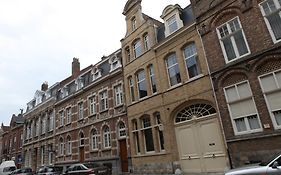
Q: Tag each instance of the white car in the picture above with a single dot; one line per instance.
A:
(270, 167)
(7, 167)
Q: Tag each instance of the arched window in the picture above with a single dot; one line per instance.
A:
(61, 146)
(194, 111)
(94, 139)
(82, 140)
(122, 130)
(106, 137)
(68, 145)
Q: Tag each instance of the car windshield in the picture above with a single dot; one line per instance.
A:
(92, 165)
(9, 169)
(267, 161)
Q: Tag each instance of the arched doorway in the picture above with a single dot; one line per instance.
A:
(199, 139)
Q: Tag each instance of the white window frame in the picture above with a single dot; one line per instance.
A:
(232, 40)
(278, 8)
(95, 139)
(122, 130)
(80, 106)
(61, 147)
(248, 131)
(172, 21)
(118, 94)
(134, 23)
(68, 146)
(106, 137)
(61, 118)
(144, 138)
(92, 105)
(68, 115)
(137, 48)
(152, 78)
(81, 139)
(270, 92)
(131, 89)
(187, 57)
(146, 42)
(103, 100)
(51, 124)
(172, 67)
(139, 81)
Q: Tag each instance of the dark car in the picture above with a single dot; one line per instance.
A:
(87, 169)
(50, 170)
(23, 171)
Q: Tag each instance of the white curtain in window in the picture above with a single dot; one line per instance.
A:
(243, 108)
(231, 94)
(268, 83)
(244, 90)
(274, 100)
(240, 124)
(278, 77)
(240, 42)
(253, 122)
(277, 116)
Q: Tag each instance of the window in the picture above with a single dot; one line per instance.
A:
(141, 84)
(103, 101)
(50, 154)
(172, 24)
(128, 54)
(118, 95)
(242, 108)
(68, 146)
(136, 136)
(42, 154)
(152, 79)
(271, 87)
(92, 103)
(134, 23)
(146, 42)
(148, 136)
(106, 137)
(68, 115)
(37, 128)
(122, 130)
(191, 62)
(131, 86)
(173, 70)
(114, 63)
(43, 125)
(137, 48)
(80, 110)
(61, 147)
(271, 10)
(232, 40)
(61, 118)
(82, 139)
(160, 130)
(94, 139)
(51, 124)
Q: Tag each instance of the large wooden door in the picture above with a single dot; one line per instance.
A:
(81, 154)
(123, 155)
(201, 146)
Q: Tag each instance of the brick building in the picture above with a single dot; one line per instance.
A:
(91, 120)
(39, 128)
(12, 139)
(242, 44)
(172, 115)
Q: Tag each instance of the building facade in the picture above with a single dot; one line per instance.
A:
(242, 44)
(91, 120)
(172, 114)
(39, 128)
(12, 139)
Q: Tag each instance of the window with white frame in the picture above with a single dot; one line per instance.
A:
(271, 10)
(146, 42)
(61, 147)
(122, 130)
(103, 100)
(142, 89)
(42, 154)
(68, 115)
(51, 124)
(80, 110)
(43, 130)
(152, 79)
(137, 48)
(172, 24)
(106, 137)
(131, 88)
(81, 139)
(94, 139)
(232, 40)
(173, 70)
(92, 103)
(50, 154)
(114, 63)
(96, 73)
(191, 60)
(68, 146)
(271, 87)
(159, 127)
(148, 135)
(242, 108)
(61, 118)
(118, 95)
(128, 54)
(134, 23)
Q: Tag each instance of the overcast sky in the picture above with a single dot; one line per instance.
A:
(39, 38)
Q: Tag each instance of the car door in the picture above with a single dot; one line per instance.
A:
(274, 170)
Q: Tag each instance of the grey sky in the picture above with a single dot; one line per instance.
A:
(39, 38)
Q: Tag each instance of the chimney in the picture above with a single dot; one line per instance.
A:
(44, 86)
(75, 67)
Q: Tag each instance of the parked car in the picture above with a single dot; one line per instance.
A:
(270, 167)
(50, 170)
(7, 167)
(87, 169)
(23, 171)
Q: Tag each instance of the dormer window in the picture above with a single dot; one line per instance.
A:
(172, 24)
(65, 91)
(79, 82)
(134, 23)
(96, 74)
(114, 63)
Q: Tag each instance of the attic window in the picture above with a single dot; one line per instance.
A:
(172, 24)
(114, 63)
(96, 74)
(134, 23)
